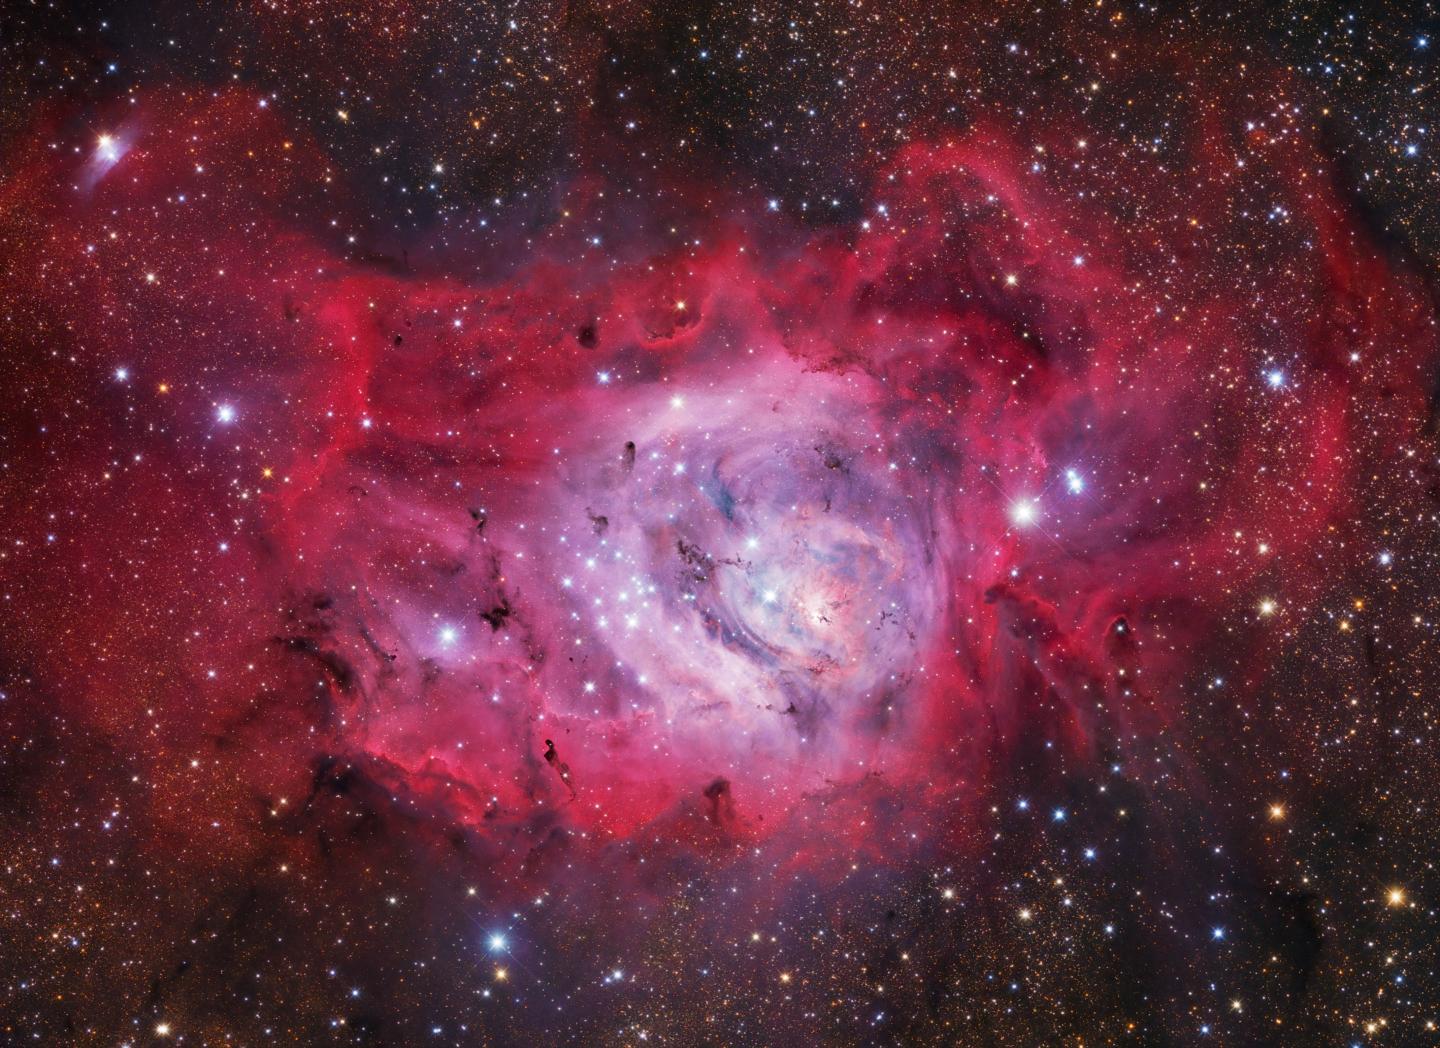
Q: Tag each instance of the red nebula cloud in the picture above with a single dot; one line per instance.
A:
(784, 530)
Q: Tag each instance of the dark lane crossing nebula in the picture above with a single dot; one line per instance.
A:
(719, 524)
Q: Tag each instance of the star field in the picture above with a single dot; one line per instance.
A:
(855, 524)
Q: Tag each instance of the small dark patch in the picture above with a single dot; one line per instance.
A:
(330, 776)
(699, 562)
(499, 615)
(720, 802)
(627, 457)
(374, 645)
(338, 669)
(588, 335)
(449, 569)
(1302, 928)
(598, 521)
(831, 458)
(552, 758)
(478, 516)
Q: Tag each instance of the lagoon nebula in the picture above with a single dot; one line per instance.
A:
(601, 524)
